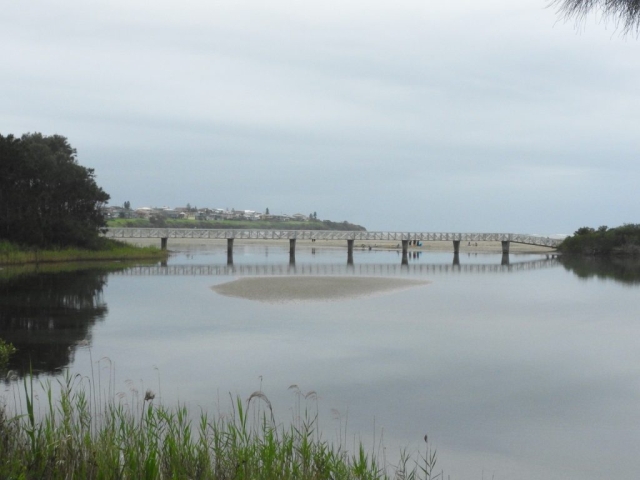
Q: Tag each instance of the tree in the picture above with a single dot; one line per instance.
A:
(46, 198)
(267, 211)
(623, 12)
(127, 205)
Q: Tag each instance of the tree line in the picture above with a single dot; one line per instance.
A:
(604, 241)
(47, 199)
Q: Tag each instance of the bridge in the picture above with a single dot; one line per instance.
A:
(405, 238)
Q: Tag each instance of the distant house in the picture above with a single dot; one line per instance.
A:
(277, 218)
(144, 212)
(120, 212)
(172, 213)
(299, 217)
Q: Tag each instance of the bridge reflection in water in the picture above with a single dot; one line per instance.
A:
(365, 269)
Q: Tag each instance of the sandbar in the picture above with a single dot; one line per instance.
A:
(313, 288)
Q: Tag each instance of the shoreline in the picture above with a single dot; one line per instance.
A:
(116, 251)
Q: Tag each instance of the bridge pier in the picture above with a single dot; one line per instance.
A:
(405, 252)
(505, 260)
(163, 243)
(350, 243)
(292, 251)
(229, 251)
(456, 259)
(505, 247)
(456, 247)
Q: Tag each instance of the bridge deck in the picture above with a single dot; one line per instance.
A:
(200, 233)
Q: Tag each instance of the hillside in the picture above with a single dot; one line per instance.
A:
(236, 224)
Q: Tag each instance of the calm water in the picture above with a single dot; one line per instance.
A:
(522, 371)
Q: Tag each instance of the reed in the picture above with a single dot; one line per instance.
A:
(80, 434)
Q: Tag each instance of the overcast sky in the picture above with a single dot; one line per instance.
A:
(409, 115)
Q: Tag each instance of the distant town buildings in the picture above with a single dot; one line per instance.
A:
(198, 214)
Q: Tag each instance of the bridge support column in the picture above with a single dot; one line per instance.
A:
(505, 247)
(456, 247)
(292, 251)
(405, 252)
(229, 251)
(505, 260)
(350, 243)
(456, 259)
(163, 243)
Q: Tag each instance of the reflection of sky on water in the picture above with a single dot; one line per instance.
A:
(531, 374)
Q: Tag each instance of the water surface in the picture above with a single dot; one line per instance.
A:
(526, 369)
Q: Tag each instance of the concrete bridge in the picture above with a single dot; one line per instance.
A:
(405, 238)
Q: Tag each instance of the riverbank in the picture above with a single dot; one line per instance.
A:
(181, 244)
(111, 250)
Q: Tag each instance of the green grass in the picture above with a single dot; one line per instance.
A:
(86, 435)
(11, 254)
(6, 350)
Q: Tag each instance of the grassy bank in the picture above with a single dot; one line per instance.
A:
(106, 250)
(84, 436)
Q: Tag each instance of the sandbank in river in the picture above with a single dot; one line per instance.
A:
(306, 289)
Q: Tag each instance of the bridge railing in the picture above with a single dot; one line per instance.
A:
(201, 233)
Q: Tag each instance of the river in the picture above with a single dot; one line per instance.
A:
(524, 370)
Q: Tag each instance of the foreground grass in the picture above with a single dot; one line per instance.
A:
(84, 437)
(11, 254)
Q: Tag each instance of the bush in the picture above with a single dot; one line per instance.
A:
(624, 240)
(6, 350)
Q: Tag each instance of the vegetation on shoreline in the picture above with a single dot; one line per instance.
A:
(83, 435)
(238, 224)
(47, 199)
(6, 350)
(604, 241)
(104, 250)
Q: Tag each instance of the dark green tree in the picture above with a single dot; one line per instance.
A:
(46, 198)
(127, 205)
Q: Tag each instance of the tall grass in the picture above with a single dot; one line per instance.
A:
(79, 433)
(11, 254)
